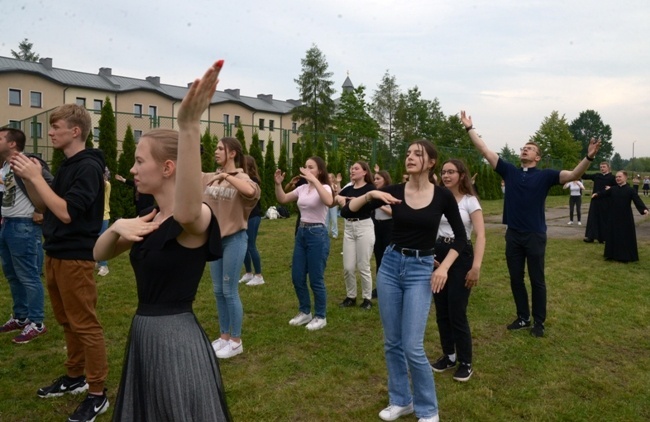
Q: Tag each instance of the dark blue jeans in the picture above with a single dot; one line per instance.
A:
(252, 253)
(20, 239)
(310, 254)
(521, 249)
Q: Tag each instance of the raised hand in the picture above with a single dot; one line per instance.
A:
(594, 146)
(465, 119)
(198, 97)
(26, 167)
(278, 177)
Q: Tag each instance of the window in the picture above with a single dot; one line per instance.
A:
(37, 130)
(293, 147)
(261, 124)
(14, 124)
(294, 127)
(137, 110)
(97, 106)
(137, 134)
(262, 146)
(153, 111)
(81, 101)
(271, 125)
(237, 120)
(226, 119)
(96, 133)
(15, 97)
(36, 99)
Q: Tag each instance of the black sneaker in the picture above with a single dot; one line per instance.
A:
(63, 385)
(537, 330)
(374, 293)
(442, 364)
(366, 304)
(88, 410)
(518, 324)
(348, 302)
(464, 372)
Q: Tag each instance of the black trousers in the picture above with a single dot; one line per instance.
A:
(575, 201)
(383, 233)
(521, 249)
(451, 305)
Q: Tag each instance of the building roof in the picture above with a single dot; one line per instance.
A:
(104, 80)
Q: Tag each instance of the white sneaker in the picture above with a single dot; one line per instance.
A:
(256, 281)
(393, 412)
(579, 223)
(316, 324)
(247, 277)
(570, 223)
(103, 270)
(431, 419)
(231, 349)
(300, 319)
(219, 344)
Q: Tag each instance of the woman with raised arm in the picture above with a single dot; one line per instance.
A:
(170, 370)
(451, 301)
(232, 195)
(406, 279)
(312, 245)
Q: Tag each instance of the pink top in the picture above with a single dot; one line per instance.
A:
(312, 209)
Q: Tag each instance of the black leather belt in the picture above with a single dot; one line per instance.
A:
(414, 252)
(311, 224)
(356, 219)
(442, 239)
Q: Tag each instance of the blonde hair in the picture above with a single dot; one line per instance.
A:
(164, 145)
(73, 115)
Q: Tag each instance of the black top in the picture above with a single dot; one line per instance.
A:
(418, 228)
(167, 274)
(600, 180)
(257, 209)
(350, 192)
(80, 182)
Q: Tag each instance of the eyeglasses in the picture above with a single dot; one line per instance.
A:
(449, 172)
(527, 149)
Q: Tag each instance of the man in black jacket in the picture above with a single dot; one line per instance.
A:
(74, 210)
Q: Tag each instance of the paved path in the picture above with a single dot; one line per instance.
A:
(558, 217)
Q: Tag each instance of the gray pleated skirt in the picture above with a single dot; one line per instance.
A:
(170, 373)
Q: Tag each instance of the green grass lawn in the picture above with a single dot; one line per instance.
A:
(593, 364)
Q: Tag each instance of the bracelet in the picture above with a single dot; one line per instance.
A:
(589, 159)
(469, 128)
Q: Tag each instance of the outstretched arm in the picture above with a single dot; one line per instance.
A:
(491, 156)
(189, 210)
(579, 170)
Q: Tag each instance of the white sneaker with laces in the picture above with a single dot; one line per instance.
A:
(219, 344)
(247, 277)
(300, 319)
(393, 412)
(231, 349)
(431, 419)
(570, 223)
(256, 281)
(317, 323)
(103, 270)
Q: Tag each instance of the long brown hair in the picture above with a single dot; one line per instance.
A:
(432, 153)
(323, 176)
(368, 176)
(251, 167)
(232, 144)
(464, 179)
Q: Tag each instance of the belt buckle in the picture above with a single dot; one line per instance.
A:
(447, 240)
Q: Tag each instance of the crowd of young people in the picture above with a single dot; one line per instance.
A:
(420, 232)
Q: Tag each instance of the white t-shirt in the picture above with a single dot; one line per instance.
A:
(467, 205)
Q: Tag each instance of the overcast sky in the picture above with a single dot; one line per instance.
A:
(509, 63)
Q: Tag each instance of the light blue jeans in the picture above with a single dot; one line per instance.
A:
(225, 280)
(404, 294)
(20, 239)
(332, 221)
(310, 252)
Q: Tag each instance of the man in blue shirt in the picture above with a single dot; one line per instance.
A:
(524, 216)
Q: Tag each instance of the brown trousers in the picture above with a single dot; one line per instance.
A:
(73, 293)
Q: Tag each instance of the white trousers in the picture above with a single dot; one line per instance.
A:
(358, 243)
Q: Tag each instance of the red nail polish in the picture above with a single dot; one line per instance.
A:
(220, 64)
